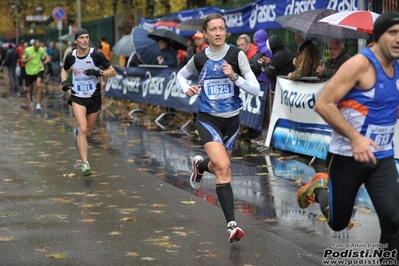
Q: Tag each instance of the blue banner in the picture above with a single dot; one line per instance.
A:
(154, 85)
(260, 14)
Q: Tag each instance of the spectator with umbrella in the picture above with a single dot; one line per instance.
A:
(168, 56)
(169, 42)
(307, 61)
(338, 56)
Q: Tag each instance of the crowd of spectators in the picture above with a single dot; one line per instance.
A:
(268, 58)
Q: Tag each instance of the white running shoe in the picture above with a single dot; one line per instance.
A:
(234, 232)
(38, 106)
(86, 169)
(196, 177)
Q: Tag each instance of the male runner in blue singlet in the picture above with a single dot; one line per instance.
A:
(360, 103)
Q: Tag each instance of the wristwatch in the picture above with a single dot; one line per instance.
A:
(236, 76)
(101, 72)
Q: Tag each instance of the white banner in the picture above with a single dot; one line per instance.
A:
(295, 126)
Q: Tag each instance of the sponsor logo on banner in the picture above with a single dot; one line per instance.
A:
(339, 5)
(262, 14)
(297, 7)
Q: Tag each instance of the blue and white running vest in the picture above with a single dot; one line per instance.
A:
(372, 112)
(218, 93)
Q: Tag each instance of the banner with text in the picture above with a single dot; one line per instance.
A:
(158, 86)
(294, 125)
(260, 14)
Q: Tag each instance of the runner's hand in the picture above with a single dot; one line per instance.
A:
(92, 72)
(362, 149)
(65, 85)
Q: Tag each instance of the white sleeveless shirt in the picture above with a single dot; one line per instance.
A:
(84, 86)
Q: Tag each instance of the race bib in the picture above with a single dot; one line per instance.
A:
(382, 135)
(85, 87)
(216, 89)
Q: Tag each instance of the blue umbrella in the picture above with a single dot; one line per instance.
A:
(146, 47)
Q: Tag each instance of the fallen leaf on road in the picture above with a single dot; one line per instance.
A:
(76, 193)
(298, 181)
(57, 255)
(157, 211)
(131, 160)
(158, 205)
(351, 225)
(132, 254)
(262, 174)
(148, 258)
(87, 221)
(286, 158)
(129, 219)
(113, 233)
(179, 233)
(6, 238)
(188, 202)
(60, 200)
(365, 211)
(69, 175)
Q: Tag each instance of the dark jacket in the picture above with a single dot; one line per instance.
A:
(169, 57)
(55, 57)
(332, 65)
(11, 59)
(281, 62)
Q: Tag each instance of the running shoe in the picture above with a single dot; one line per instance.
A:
(234, 232)
(305, 195)
(38, 106)
(196, 177)
(86, 169)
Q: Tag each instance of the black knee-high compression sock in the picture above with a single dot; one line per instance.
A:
(321, 195)
(226, 199)
(203, 166)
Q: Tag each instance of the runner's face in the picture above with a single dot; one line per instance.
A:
(82, 42)
(216, 33)
(389, 43)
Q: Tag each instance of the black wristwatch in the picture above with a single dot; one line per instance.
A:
(236, 76)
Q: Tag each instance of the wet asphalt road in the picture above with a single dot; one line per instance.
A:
(138, 209)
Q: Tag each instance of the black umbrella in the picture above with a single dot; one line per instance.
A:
(175, 40)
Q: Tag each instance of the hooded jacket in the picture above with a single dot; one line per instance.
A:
(281, 63)
(260, 38)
